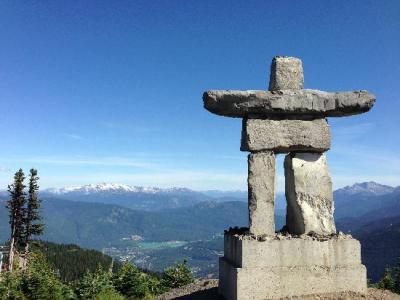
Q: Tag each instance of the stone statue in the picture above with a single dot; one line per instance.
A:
(308, 256)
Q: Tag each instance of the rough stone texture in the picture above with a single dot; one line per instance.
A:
(287, 103)
(307, 257)
(278, 282)
(286, 74)
(308, 189)
(273, 269)
(285, 135)
(261, 189)
(338, 250)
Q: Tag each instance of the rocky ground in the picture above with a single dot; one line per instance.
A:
(208, 290)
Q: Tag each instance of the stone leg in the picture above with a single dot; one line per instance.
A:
(261, 185)
(308, 188)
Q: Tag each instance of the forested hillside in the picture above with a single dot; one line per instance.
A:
(51, 274)
(96, 225)
(156, 239)
(371, 213)
(71, 261)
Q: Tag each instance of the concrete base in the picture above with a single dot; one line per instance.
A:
(278, 268)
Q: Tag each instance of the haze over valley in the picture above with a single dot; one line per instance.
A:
(155, 227)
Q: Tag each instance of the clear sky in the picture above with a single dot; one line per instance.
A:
(110, 91)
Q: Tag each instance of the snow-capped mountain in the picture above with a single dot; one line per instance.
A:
(366, 188)
(135, 197)
(361, 198)
(349, 201)
(92, 188)
(113, 188)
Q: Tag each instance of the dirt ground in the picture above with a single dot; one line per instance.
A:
(208, 290)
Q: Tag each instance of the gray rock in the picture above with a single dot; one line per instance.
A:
(261, 185)
(286, 74)
(284, 252)
(293, 282)
(308, 189)
(285, 135)
(287, 103)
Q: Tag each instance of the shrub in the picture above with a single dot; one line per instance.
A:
(396, 278)
(131, 282)
(92, 284)
(109, 295)
(38, 282)
(10, 286)
(387, 281)
(177, 276)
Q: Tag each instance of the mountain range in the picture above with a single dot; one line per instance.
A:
(98, 225)
(361, 198)
(140, 198)
(142, 223)
(371, 213)
(155, 199)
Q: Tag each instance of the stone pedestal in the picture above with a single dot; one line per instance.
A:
(285, 266)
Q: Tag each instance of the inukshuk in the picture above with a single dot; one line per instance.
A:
(307, 256)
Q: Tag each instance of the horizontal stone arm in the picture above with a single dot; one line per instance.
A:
(287, 103)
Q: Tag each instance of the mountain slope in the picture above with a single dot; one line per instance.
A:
(380, 242)
(369, 211)
(97, 225)
(359, 199)
(365, 188)
(380, 245)
(141, 198)
(72, 261)
(350, 201)
(379, 234)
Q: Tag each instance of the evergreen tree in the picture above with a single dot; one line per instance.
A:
(10, 286)
(177, 276)
(131, 282)
(16, 210)
(396, 278)
(38, 282)
(32, 216)
(109, 295)
(71, 261)
(95, 283)
(387, 281)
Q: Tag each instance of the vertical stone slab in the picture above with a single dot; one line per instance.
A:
(308, 188)
(261, 184)
(286, 74)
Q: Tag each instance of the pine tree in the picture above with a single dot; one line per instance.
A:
(396, 278)
(16, 214)
(32, 217)
(131, 282)
(94, 283)
(387, 280)
(177, 276)
(38, 282)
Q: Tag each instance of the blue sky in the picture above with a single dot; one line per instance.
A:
(110, 91)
